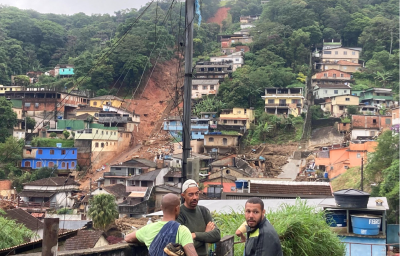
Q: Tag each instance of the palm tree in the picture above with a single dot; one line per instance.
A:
(102, 210)
(384, 77)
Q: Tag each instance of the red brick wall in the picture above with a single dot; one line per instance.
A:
(331, 72)
(369, 122)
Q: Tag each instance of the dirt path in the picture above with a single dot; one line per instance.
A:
(219, 16)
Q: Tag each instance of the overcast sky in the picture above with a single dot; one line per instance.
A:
(74, 6)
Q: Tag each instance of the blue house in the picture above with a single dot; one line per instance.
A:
(38, 157)
(199, 127)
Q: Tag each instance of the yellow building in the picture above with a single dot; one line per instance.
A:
(4, 89)
(337, 105)
(284, 101)
(88, 110)
(237, 116)
(109, 100)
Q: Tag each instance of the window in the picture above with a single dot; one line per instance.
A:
(107, 133)
(294, 101)
(102, 132)
(211, 87)
(225, 121)
(341, 107)
(372, 133)
(358, 155)
(387, 121)
(94, 103)
(325, 75)
(327, 52)
(345, 91)
(38, 164)
(51, 151)
(235, 121)
(331, 168)
(336, 52)
(28, 151)
(345, 53)
(346, 167)
(96, 145)
(50, 164)
(353, 53)
(334, 75)
(225, 141)
(341, 75)
(72, 164)
(102, 145)
(63, 152)
(27, 164)
(62, 164)
(271, 101)
(374, 121)
(194, 87)
(204, 87)
(73, 152)
(347, 99)
(335, 91)
(113, 181)
(170, 179)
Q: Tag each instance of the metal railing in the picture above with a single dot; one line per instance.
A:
(370, 248)
(38, 205)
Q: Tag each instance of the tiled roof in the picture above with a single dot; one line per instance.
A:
(118, 190)
(53, 181)
(85, 117)
(291, 188)
(85, 239)
(22, 217)
(137, 162)
(33, 193)
(89, 109)
(173, 174)
(5, 184)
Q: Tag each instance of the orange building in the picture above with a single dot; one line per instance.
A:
(341, 159)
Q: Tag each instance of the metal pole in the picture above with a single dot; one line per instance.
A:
(187, 91)
(50, 237)
(362, 173)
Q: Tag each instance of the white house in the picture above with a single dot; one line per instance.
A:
(322, 91)
(235, 58)
(202, 87)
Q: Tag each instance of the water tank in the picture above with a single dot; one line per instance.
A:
(241, 184)
(336, 218)
(326, 175)
(59, 145)
(351, 198)
(366, 224)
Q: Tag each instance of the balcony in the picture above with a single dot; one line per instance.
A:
(116, 174)
(37, 205)
(277, 105)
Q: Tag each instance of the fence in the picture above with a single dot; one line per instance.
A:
(363, 249)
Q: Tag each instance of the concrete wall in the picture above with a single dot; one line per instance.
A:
(322, 93)
(341, 54)
(196, 145)
(363, 132)
(362, 246)
(221, 140)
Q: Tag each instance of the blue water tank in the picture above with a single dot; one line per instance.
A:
(366, 224)
(59, 145)
(326, 175)
(336, 219)
(241, 184)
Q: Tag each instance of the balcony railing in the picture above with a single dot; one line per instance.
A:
(112, 174)
(37, 204)
(277, 104)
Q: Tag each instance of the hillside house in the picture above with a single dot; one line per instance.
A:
(213, 119)
(369, 126)
(236, 59)
(109, 100)
(337, 105)
(117, 190)
(395, 119)
(64, 70)
(331, 76)
(11, 88)
(43, 102)
(210, 70)
(54, 192)
(322, 91)
(223, 144)
(58, 157)
(120, 173)
(378, 97)
(341, 65)
(201, 87)
(349, 54)
(199, 127)
(241, 117)
(88, 110)
(228, 40)
(284, 101)
(7, 191)
(338, 160)
(19, 128)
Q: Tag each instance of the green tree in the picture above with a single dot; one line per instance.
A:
(30, 123)
(44, 172)
(352, 110)
(208, 104)
(8, 119)
(66, 134)
(21, 80)
(12, 233)
(102, 210)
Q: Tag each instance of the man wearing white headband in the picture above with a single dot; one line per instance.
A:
(197, 218)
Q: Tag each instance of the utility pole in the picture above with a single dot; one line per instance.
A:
(50, 237)
(362, 174)
(187, 90)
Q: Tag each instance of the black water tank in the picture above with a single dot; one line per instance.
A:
(351, 198)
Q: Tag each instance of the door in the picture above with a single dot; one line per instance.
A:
(282, 102)
(67, 166)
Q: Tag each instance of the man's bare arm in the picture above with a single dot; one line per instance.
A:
(190, 250)
(131, 238)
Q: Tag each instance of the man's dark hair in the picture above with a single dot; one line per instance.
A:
(256, 200)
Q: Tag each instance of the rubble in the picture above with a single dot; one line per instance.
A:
(127, 225)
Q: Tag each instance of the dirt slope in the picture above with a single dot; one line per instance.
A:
(219, 16)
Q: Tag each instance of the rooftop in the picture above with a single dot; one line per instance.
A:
(334, 86)
(146, 176)
(107, 97)
(53, 181)
(85, 239)
(117, 190)
(201, 82)
(290, 187)
(22, 217)
(137, 162)
(173, 174)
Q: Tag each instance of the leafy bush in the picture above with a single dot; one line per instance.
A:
(64, 211)
(53, 135)
(44, 142)
(66, 134)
